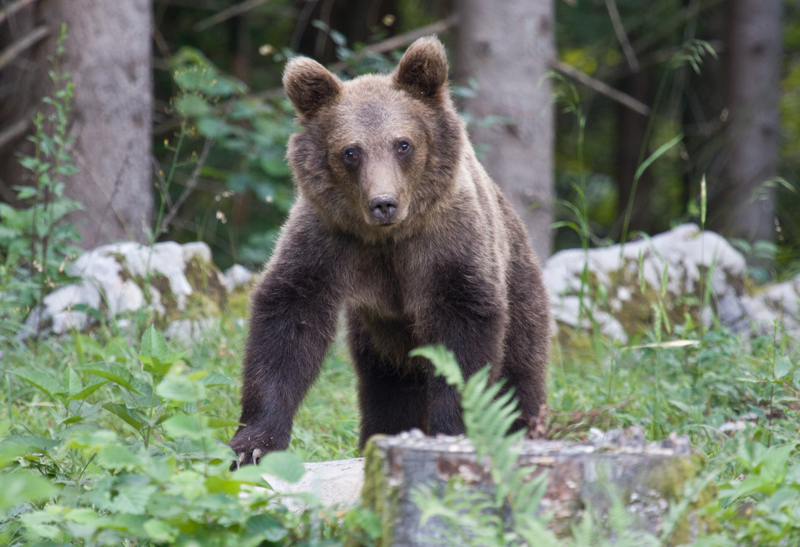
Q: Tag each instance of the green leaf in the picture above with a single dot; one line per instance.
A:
(444, 361)
(130, 499)
(43, 382)
(31, 443)
(267, 526)
(153, 344)
(214, 378)
(189, 426)
(160, 531)
(180, 388)
(88, 390)
(72, 380)
(783, 367)
(115, 456)
(24, 486)
(118, 375)
(121, 411)
(284, 465)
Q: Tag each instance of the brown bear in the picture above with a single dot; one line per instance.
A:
(397, 223)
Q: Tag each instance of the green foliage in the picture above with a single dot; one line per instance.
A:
(122, 445)
(35, 240)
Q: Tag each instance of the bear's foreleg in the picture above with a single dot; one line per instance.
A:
(392, 396)
(467, 316)
(293, 317)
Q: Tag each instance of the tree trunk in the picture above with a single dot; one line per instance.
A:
(108, 52)
(745, 207)
(631, 132)
(507, 50)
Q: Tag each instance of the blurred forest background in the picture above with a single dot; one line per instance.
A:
(600, 118)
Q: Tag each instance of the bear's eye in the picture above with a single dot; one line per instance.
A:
(351, 155)
(403, 147)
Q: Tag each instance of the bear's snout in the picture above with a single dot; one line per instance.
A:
(383, 208)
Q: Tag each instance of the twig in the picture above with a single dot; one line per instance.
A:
(601, 87)
(400, 40)
(190, 184)
(22, 44)
(224, 15)
(10, 10)
(619, 29)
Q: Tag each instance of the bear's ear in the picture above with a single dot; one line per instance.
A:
(309, 85)
(423, 68)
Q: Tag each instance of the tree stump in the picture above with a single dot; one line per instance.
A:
(643, 476)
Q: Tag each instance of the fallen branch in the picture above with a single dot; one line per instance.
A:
(601, 87)
(11, 52)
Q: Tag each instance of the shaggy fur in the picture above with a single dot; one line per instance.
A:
(444, 261)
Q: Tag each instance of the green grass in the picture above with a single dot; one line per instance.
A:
(70, 435)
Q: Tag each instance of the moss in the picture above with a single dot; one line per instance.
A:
(124, 274)
(377, 494)
(238, 303)
(204, 279)
(670, 480)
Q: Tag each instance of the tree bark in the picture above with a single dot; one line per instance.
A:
(744, 206)
(507, 50)
(107, 51)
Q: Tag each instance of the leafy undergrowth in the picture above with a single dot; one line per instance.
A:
(111, 438)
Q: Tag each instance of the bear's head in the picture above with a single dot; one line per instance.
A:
(376, 154)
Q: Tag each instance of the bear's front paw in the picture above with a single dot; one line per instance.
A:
(251, 443)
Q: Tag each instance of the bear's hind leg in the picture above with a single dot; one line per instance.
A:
(392, 397)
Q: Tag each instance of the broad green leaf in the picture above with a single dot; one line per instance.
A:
(284, 465)
(31, 443)
(160, 531)
(783, 367)
(44, 382)
(88, 390)
(155, 366)
(267, 526)
(775, 463)
(24, 486)
(180, 388)
(122, 412)
(115, 456)
(214, 378)
(115, 374)
(72, 380)
(189, 426)
(130, 499)
(153, 344)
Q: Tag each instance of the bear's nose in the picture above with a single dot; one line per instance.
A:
(383, 207)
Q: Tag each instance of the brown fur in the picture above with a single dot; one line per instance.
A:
(448, 263)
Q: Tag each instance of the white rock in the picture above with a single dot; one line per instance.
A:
(196, 248)
(337, 483)
(236, 276)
